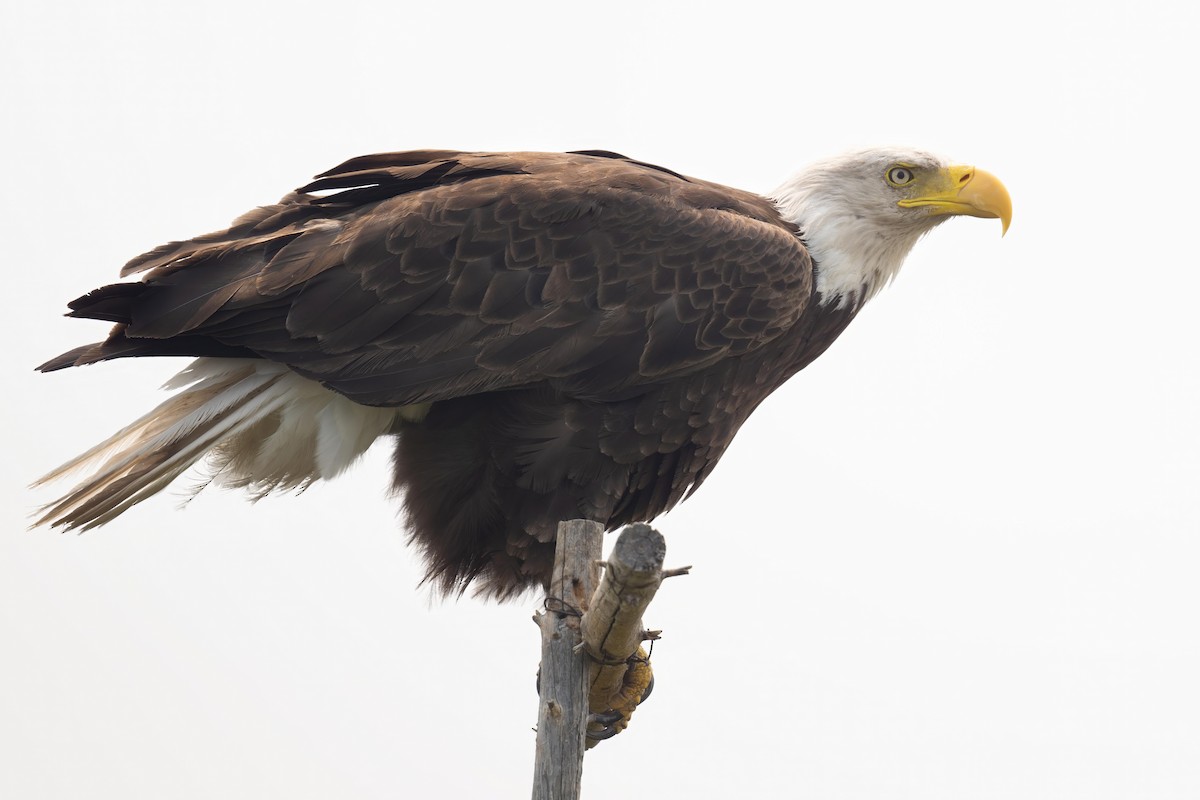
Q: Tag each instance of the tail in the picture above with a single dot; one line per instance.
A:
(261, 426)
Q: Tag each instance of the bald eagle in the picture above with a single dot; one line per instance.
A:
(546, 336)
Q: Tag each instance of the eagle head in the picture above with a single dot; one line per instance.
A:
(861, 213)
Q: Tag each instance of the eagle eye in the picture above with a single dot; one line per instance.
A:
(900, 176)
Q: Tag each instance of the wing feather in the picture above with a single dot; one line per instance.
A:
(427, 275)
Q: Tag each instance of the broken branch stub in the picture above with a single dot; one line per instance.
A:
(612, 627)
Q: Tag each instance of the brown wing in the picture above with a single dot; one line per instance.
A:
(406, 277)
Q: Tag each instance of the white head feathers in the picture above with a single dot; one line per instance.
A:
(848, 216)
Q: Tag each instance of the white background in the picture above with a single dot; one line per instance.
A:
(955, 558)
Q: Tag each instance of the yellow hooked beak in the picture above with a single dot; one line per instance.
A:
(963, 190)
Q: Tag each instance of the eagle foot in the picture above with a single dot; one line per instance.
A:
(636, 686)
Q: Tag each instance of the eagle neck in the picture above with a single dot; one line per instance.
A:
(853, 256)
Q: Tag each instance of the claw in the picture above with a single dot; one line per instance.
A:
(646, 692)
(605, 718)
(602, 734)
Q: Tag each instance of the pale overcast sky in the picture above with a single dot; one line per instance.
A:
(955, 558)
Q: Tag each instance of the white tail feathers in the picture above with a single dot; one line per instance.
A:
(261, 426)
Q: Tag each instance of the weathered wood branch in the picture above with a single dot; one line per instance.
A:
(612, 628)
(563, 678)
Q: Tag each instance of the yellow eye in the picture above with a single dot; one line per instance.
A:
(900, 176)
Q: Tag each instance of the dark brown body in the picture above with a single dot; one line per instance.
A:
(590, 331)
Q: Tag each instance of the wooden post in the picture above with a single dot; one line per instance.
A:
(563, 679)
